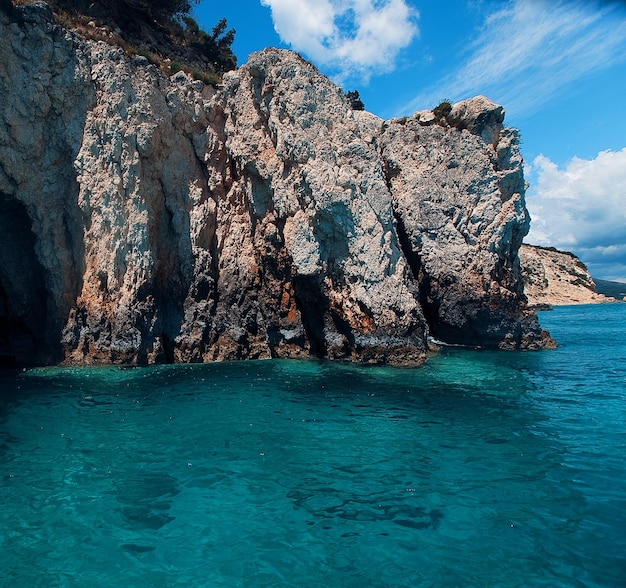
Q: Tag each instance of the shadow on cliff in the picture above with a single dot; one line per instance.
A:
(42, 253)
(33, 311)
(23, 295)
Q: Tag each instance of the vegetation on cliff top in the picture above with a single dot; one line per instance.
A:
(354, 98)
(162, 31)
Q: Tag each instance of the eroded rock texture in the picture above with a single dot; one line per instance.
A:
(149, 219)
(555, 278)
(457, 194)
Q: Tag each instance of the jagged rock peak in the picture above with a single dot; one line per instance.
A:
(162, 220)
(480, 116)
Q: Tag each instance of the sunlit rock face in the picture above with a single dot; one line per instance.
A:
(553, 278)
(158, 219)
(458, 196)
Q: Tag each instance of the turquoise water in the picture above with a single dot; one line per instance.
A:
(479, 469)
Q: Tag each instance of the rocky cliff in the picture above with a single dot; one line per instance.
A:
(556, 278)
(146, 218)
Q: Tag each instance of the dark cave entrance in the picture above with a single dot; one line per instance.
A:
(23, 297)
(313, 306)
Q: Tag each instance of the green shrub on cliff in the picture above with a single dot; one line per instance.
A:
(216, 47)
(355, 100)
(442, 110)
(156, 29)
(159, 10)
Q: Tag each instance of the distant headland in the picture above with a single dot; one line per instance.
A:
(555, 278)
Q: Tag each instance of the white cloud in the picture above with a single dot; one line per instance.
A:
(582, 208)
(530, 51)
(353, 37)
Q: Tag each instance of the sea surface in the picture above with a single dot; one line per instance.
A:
(480, 469)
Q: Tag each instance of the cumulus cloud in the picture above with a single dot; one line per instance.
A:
(530, 51)
(582, 208)
(354, 37)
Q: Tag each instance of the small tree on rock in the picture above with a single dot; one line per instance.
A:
(442, 110)
(355, 100)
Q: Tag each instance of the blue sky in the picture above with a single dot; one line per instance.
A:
(557, 66)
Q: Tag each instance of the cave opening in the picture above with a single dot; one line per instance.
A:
(23, 296)
(313, 306)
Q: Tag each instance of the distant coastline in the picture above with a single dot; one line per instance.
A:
(612, 289)
(557, 278)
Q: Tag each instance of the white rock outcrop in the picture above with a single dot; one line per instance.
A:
(159, 219)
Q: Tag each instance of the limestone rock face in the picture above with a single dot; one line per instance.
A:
(555, 278)
(45, 96)
(147, 219)
(458, 197)
(316, 217)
